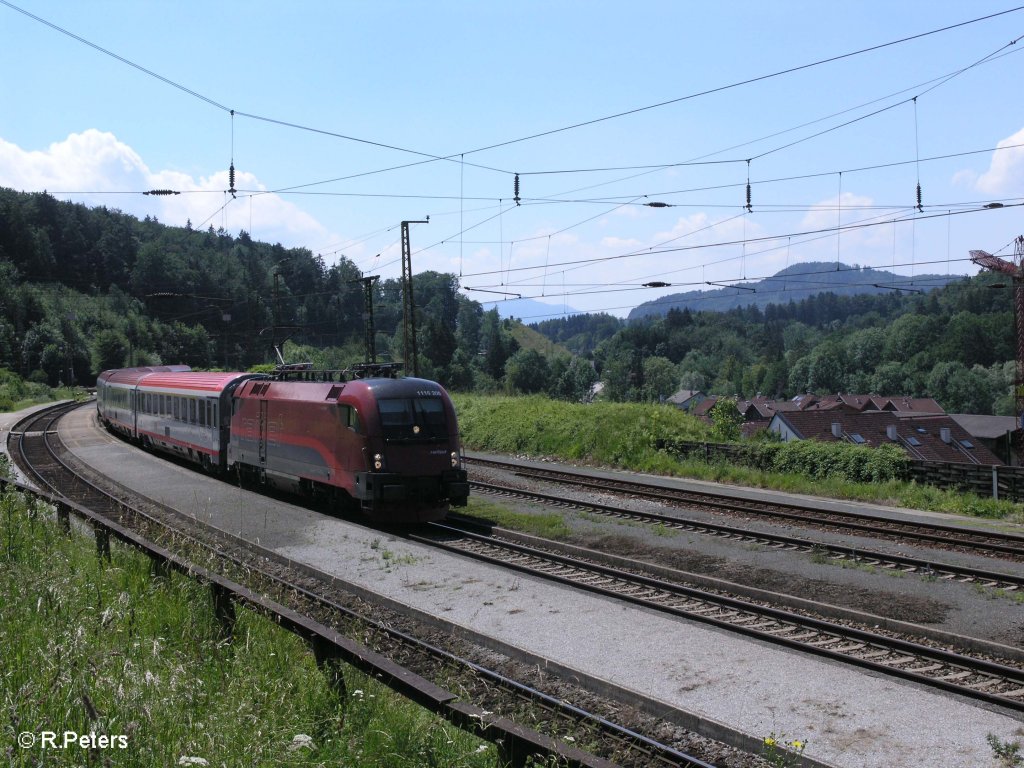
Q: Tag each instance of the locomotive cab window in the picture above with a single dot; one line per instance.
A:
(349, 417)
(421, 418)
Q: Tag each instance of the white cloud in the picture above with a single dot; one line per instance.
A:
(89, 161)
(1004, 174)
(621, 243)
(86, 165)
(828, 213)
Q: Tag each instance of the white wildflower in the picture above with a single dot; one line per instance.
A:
(186, 760)
(481, 748)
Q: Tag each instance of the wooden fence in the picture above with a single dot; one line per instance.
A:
(985, 480)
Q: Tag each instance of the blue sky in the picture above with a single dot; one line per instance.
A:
(330, 95)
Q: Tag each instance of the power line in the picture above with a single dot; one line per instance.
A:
(432, 157)
(766, 238)
(748, 81)
(673, 300)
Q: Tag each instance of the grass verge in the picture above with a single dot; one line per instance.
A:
(90, 647)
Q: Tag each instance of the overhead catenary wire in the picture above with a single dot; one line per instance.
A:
(800, 285)
(748, 81)
(461, 155)
(725, 243)
(517, 238)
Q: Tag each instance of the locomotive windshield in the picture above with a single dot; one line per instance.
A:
(412, 419)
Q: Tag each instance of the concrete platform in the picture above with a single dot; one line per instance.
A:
(743, 687)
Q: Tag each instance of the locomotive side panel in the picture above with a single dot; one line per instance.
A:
(293, 434)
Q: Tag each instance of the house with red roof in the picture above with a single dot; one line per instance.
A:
(926, 437)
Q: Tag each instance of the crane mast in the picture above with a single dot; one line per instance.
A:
(1015, 269)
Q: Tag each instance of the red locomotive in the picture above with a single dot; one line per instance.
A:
(390, 445)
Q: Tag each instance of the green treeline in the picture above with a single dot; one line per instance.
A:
(955, 344)
(84, 289)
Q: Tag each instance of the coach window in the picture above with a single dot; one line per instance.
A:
(192, 410)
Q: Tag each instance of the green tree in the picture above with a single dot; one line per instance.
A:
(109, 350)
(864, 348)
(574, 381)
(725, 420)
(909, 334)
(890, 379)
(661, 379)
(527, 371)
(498, 344)
(827, 369)
(960, 390)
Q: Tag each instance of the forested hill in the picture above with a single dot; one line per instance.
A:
(83, 289)
(796, 282)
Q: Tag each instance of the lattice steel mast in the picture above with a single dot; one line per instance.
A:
(408, 303)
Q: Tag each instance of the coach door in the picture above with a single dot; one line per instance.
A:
(263, 432)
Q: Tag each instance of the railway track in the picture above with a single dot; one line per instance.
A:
(969, 676)
(34, 445)
(990, 544)
(1006, 581)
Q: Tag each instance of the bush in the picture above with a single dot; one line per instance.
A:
(858, 464)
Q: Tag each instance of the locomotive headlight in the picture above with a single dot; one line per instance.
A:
(455, 459)
(378, 461)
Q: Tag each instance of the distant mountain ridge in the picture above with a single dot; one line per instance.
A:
(794, 283)
(530, 311)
